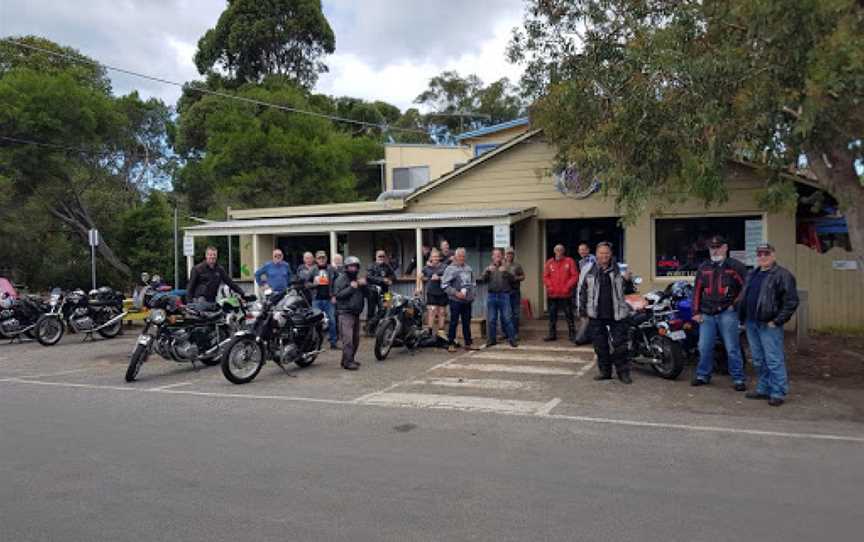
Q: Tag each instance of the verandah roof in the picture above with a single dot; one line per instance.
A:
(341, 223)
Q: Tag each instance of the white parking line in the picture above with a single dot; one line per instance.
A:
(581, 372)
(570, 349)
(457, 402)
(170, 386)
(407, 380)
(515, 355)
(480, 383)
(547, 408)
(48, 375)
(520, 369)
(562, 417)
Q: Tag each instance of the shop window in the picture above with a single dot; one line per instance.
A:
(681, 244)
(406, 178)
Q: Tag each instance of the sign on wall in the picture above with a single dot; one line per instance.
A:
(844, 265)
(188, 246)
(501, 235)
(753, 237)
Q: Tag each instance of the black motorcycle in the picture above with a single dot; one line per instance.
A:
(650, 340)
(19, 316)
(191, 333)
(285, 329)
(100, 311)
(401, 325)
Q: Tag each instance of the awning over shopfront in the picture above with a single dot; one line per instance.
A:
(377, 222)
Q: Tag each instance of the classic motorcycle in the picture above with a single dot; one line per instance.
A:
(402, 324)
(186, 333)
(19, 316)
(382, 302)
(284, 329)
(651, 341)
(100, 311)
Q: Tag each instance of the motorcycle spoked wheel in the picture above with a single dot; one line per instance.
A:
(242, 360)
(49, 330)
(306, 362)
(136, 360)
(385, 337)
(671, 357)
(113, 330)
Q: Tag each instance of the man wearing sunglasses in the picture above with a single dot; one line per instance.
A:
(769, 301)
(716, 295)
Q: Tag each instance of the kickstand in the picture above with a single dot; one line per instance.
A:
(194, 367)
(87, 336)
(284, 369)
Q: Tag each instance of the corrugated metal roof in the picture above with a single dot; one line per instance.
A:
(492, 129)
(344, 222)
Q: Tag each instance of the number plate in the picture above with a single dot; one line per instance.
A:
(679, 335)
(144, 339)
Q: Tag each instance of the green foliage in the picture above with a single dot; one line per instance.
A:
(463, 103)
(254, 39)
(248, 156)
(147, 236)
(650, 95)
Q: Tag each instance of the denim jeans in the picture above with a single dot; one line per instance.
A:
(726, 323)
(460, 310)
(326, 307)
(515, 309)
(766, 346)
(499, 303)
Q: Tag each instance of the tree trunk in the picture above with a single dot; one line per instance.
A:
(855, 221)
(75, 215)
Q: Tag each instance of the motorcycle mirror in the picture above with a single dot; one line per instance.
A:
(637, 280)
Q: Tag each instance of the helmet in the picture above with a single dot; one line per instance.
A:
(6, 300)
(352, 260)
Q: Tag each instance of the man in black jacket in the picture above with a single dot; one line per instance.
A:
(378, 274)
(206, 277)
(769, 301)
(349, 293)
(716, 294)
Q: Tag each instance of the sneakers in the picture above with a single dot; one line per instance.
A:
(451, 348)
(740, 386)
(513, 343)
(756, 395)
(775, 401)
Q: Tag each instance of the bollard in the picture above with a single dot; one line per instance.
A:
(802, 328)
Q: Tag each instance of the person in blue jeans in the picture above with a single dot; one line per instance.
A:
(716, 294)
(276, 273)
(770, 300)
(516, 293)
(500, 281)
(321, 280)
(461, 287)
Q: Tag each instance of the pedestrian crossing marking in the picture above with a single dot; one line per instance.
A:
(521, 369)
(479, 383)
(457, 402)
(517, 356)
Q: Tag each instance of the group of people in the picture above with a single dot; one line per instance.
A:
(592, 289)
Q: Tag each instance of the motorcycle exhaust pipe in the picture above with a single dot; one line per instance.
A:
(307, 355)
(20, 331)
(110, 322)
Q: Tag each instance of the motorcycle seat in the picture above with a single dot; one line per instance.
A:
(204, 311)
(640, 318)
(308, 317)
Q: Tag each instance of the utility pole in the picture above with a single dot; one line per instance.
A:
(230, 259)
(93, 238)
(176, 261)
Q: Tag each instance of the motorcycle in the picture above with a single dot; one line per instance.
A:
(19, 316)
(382, 303)
(186, 333)
(650, 340)
(402, 324)
(284, 329)
(100, 311)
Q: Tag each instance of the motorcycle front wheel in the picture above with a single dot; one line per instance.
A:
(139, 356)
(242, 360)
(384, 339)
(671, 357)
(49, 330)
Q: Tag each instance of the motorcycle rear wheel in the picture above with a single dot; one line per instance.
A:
(242, 360)
(113, 330)
(672, 361)
(139, 356)
(49, 330)
(384, 339)
(307, 361)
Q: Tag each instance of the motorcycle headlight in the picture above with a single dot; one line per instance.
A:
(254, 310)
(54, 300)
(157, 316)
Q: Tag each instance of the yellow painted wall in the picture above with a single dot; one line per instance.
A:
(497, 137)
(440, 159)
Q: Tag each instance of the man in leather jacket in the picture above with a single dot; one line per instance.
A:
(206, 277)
(770, 299)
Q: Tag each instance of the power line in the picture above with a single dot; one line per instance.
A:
(192, 87)
(80, 150)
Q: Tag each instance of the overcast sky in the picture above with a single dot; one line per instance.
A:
(385, 49)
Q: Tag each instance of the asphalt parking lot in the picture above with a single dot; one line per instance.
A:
(498, 444)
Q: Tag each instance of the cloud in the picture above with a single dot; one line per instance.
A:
(385, 49)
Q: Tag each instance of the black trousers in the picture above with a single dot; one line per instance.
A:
(609, 339)
(556, 304)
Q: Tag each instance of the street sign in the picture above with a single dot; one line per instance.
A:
(188, 246)
(501, 235)
(93, 237)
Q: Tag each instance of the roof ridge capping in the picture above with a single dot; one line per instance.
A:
(521, 121)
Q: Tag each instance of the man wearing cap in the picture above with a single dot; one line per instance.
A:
(515, 293)
(716, 294)
(769, 301)
(276, 273)
(321, 282)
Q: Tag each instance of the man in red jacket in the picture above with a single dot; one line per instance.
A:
(560, 275)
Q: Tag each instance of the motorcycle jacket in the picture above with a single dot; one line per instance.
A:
(778, 297)
(376, 273)
(589, 292)
(205, 281)
(718, 286)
